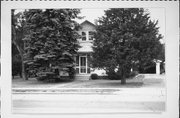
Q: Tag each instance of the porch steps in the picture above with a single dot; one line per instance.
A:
(82, 77)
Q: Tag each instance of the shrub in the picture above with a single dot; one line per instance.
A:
(94, 76)
(103, 77)
(113, 75)
(133, 74)
(46, 76)
(72, 72)
(41, 78)
(16, 68)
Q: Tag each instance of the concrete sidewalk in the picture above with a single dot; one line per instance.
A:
(95, 108)
(95, 91)
(57, 103)
(121, 95)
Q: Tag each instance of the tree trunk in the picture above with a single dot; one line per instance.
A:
(23, 71)
(20, 52)
(24, 75)
(123, 80)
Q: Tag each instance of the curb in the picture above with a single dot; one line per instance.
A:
(64, 91)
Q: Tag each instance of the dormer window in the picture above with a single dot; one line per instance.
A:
(83, 36)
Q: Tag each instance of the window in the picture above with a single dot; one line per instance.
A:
(91, 35)
(83, 36)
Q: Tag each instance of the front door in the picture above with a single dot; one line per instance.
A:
(83, 65)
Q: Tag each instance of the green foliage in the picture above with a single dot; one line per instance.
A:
(112, 75)
(51, 41)
(94, 76)
(71, 72)
(133, 74)
(126, 38)
(18, 23)
(47, 76)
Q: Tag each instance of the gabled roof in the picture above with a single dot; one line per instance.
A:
(88, 22)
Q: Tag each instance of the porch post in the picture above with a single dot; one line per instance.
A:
(86, 64)
(87, 35)
(157, 68)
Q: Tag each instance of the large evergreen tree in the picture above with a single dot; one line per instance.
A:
(51, 40)
(126, 38)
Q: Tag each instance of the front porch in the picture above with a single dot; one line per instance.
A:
(83, 70)
(82, 76)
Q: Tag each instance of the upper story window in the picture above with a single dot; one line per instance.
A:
(83, 36)
(87, 36)
(91, 35)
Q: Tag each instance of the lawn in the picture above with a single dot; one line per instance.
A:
(136, 82)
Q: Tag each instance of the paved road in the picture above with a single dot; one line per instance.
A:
(124, 100)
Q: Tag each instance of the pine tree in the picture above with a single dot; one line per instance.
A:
(126, 38)
(51, 40)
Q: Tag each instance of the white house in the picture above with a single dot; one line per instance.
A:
(82, 67)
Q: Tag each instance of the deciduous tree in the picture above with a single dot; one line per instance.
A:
(126, 38)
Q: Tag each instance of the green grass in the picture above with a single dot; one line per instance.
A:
(136, 82)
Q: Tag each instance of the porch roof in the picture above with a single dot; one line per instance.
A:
(85, 49)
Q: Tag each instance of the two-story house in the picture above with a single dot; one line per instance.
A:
(82, 67)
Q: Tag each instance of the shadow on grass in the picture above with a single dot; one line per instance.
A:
(33, 82)
(18, 82)
(116, 84)
(127, 85)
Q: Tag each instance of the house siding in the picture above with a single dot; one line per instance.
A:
(84, 51)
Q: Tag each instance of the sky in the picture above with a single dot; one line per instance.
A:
(155, 14)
